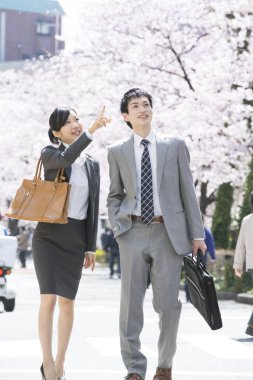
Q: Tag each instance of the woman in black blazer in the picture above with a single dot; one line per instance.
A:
(61, 250)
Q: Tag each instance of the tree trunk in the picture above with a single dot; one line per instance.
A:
(205, 200)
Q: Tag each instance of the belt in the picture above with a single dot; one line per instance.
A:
(155, 220)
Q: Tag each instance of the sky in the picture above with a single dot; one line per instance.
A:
(70, 20)
(71, 7)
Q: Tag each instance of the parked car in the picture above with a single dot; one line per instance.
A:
(8, 252)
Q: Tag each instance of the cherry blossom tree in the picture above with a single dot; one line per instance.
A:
(193, 57)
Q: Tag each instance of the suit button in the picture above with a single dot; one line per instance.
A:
(128, 215)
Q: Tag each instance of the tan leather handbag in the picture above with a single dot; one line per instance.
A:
(41, 201)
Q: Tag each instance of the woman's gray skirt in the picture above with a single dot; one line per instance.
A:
(58, 255)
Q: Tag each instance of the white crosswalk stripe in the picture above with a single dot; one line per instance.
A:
(94, 351)
(110, 347)
(220, 346)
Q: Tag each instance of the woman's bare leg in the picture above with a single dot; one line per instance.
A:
(45, 325)
(65, 324)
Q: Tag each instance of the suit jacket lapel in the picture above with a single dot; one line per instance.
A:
(128, 151)
(161, 151)
(90, 174)
(67, 170)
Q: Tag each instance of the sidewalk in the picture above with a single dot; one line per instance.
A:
(94, 352)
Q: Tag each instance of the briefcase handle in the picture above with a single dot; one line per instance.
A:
(58, 178)
(199, 258)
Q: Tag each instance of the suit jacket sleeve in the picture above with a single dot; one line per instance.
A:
(188, 195)
(240, 250)
(53, 158)
(116, 192)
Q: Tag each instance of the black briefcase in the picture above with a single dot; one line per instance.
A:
(202, 290)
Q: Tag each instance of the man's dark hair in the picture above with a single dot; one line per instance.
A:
(131, 94)
(251, 200)
(57, 120)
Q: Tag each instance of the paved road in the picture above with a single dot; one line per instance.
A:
(202, 354)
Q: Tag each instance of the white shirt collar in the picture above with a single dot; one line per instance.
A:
(150, 137)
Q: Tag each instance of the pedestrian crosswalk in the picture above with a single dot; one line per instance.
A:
(110, 347)
(19, 348)
(107, 348)
(216, 345)
(94, 352)
(219, 346)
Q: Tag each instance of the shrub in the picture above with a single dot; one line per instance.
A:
(222, 217)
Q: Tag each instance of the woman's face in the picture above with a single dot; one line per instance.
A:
(71, 130)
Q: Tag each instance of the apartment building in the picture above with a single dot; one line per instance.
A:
(29, 29)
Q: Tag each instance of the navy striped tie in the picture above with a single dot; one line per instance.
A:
(147, 203)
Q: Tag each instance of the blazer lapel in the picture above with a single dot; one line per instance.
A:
(90, 174)
(128, 151)
(161, 151)
(67, 170)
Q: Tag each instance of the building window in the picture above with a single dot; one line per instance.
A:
(43, 27)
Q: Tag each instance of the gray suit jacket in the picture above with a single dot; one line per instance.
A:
(244, 245)
(54, 158)
(176, 191)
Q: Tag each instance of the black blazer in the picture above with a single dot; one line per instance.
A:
(54, 158)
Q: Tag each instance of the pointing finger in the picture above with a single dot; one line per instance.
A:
(101, 114)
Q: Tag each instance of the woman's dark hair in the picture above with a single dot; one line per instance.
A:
(131, 94)
(57, 120)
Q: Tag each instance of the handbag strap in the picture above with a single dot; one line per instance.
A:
(58, 178)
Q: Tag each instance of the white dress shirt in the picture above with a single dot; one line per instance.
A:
(138, 150)
(79, 191)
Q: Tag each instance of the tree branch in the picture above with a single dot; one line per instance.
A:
(163, 70)
(178, 58)
(194, 45)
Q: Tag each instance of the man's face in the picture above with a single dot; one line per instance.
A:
(139, 112)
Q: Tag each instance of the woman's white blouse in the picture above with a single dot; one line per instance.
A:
(79, 192)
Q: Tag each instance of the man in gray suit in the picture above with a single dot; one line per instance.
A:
(156, 220)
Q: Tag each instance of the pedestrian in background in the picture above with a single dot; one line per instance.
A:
(104, 237)
(210, 245)
(23, 244)
(61, 250)
(155, 217)
(244, 253)
(13, 225)
(3, 228)
(112, 248)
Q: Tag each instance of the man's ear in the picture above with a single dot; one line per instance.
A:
(125, 116)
